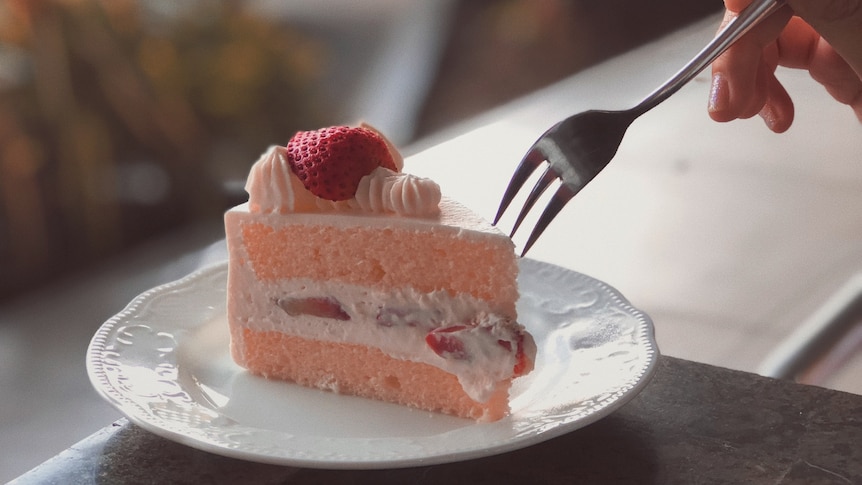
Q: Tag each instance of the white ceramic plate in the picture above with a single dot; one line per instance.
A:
(164, 363)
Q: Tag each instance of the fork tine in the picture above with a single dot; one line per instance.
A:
(561, 197)
(528, 165)
(541, 185)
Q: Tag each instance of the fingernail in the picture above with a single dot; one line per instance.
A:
(719, 97)
(769, 116)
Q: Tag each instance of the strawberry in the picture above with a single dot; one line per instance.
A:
(316, 307)
(330, 162)
(445, 344)
(522, 363)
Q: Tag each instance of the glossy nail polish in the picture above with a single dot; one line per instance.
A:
(769, 116)
(719, 95)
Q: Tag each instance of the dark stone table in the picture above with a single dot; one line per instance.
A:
(693, 424)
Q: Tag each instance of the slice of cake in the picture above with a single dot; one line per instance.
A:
(347, 275)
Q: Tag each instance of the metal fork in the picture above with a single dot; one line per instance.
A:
(579, 147)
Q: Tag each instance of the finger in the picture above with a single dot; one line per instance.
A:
(737, 67)
(738, 91)
(797, 44)
(777, 111)
(839, 22)
(839, 79)
(736, 6)
(764, 83)
(802, 48)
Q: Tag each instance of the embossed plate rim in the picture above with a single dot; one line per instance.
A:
(179, 414)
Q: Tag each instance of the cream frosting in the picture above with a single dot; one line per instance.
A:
(274, 188)
(386, 191)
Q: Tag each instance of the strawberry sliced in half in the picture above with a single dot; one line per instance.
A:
(446, 342)
(323, 307)
(523, 364)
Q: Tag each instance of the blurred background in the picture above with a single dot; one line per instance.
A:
(128, 127)
(123, 120)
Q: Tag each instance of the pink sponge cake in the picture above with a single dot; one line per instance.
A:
(348, 275)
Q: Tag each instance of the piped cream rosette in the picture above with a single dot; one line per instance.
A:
(273, 187)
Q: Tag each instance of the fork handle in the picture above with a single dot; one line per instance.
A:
(749, 17)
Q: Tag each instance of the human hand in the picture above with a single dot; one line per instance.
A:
(822, 36)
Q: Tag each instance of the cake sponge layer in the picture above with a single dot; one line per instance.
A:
(384, 258)
(361, 371)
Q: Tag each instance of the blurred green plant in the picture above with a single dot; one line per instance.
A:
(121, 119)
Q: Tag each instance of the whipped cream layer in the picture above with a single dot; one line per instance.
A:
(396, 322)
